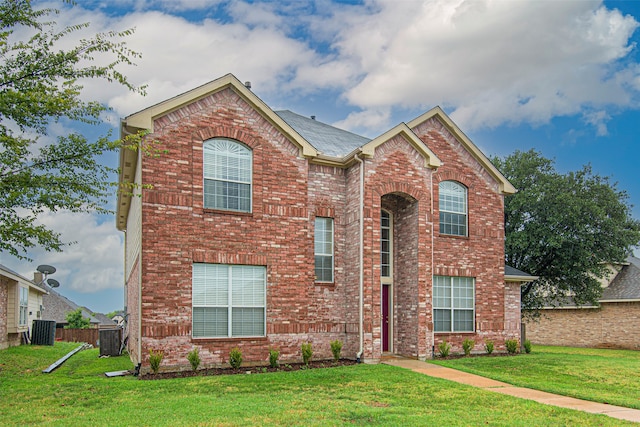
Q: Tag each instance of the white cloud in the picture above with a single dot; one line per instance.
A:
(94, 262)
(492, 62)
(489, 62)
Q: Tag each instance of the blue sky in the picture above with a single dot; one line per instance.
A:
(562, 77)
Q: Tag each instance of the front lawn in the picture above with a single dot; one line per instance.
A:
(78, 394)
(599, 375)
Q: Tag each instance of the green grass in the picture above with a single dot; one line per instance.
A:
(599, 375)
(78, 394)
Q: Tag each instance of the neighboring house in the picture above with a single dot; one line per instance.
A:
(260, 229)
(615, 322)
(57, 306)
(20, 304)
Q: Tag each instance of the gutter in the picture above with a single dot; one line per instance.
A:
(361, 259)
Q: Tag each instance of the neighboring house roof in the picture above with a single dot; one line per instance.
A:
(319, 142)
(512, 274)
(7, 272)
(626, 285)
(56, 307)
(104, 320)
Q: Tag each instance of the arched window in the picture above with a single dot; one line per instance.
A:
(453, 208)
(227, 170)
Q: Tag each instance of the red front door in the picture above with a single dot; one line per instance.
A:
(385, 318)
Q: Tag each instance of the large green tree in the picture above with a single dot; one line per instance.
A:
(41, 83)
(564, 228)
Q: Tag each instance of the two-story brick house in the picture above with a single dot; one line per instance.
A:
(260, 229)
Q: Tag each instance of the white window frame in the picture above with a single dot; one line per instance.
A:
(321, 245)
(23, 306)
(450, 195)
(456, 303)
(205, 295)
(386, 278)
(217, 154)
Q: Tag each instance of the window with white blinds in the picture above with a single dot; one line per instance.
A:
(323, 249)
(228, 300)
(227, 170)
(24, 306)
(453, 208)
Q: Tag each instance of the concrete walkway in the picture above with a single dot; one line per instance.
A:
(521, 392)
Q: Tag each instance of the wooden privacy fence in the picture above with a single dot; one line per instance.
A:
(90, 336)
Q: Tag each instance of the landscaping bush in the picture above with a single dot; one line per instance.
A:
(336, 349)
(194, 358)
(307, 352)
(488, 346)
(512, 346)
(527, 346)
(444, 348)
(235, 358)
(467, 346)
(273, 357)
(155, 358)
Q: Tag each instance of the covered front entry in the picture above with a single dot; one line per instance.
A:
(399, 275)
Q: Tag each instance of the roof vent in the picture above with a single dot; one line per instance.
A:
(247, 85)
(313, 117)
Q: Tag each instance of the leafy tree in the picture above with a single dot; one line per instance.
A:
(40, 83)
(77, 321)
(564, 228)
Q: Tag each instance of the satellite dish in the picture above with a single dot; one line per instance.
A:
(46, 269)
(53, 283)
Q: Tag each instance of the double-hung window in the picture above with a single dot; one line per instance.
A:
(24, 306)
(228, 300)
(453, 208)
(324, 249)
(227, 170)
(453, 304)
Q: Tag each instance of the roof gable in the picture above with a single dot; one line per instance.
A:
(505, 186)
(144, 120)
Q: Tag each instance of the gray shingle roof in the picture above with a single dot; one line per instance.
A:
(56, 307)
(327, 139)
(626, 284)
(511, 271)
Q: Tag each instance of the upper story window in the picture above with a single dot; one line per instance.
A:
(227, 170)
(323, 251)
(453, 208)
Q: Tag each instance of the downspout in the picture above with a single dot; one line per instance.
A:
(361, 259)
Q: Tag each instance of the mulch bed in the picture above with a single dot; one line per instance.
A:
(284, 367)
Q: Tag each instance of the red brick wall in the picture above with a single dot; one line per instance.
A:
(481, 254)
(288, 193)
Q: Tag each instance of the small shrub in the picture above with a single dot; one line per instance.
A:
(512, 346)
(307, 352)
(155, 358)
(444, 348)
(527, 346)
(273, 357)
(467, 346)
(194, 358)
(336, 349)
(235, 358)
(488, 346)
